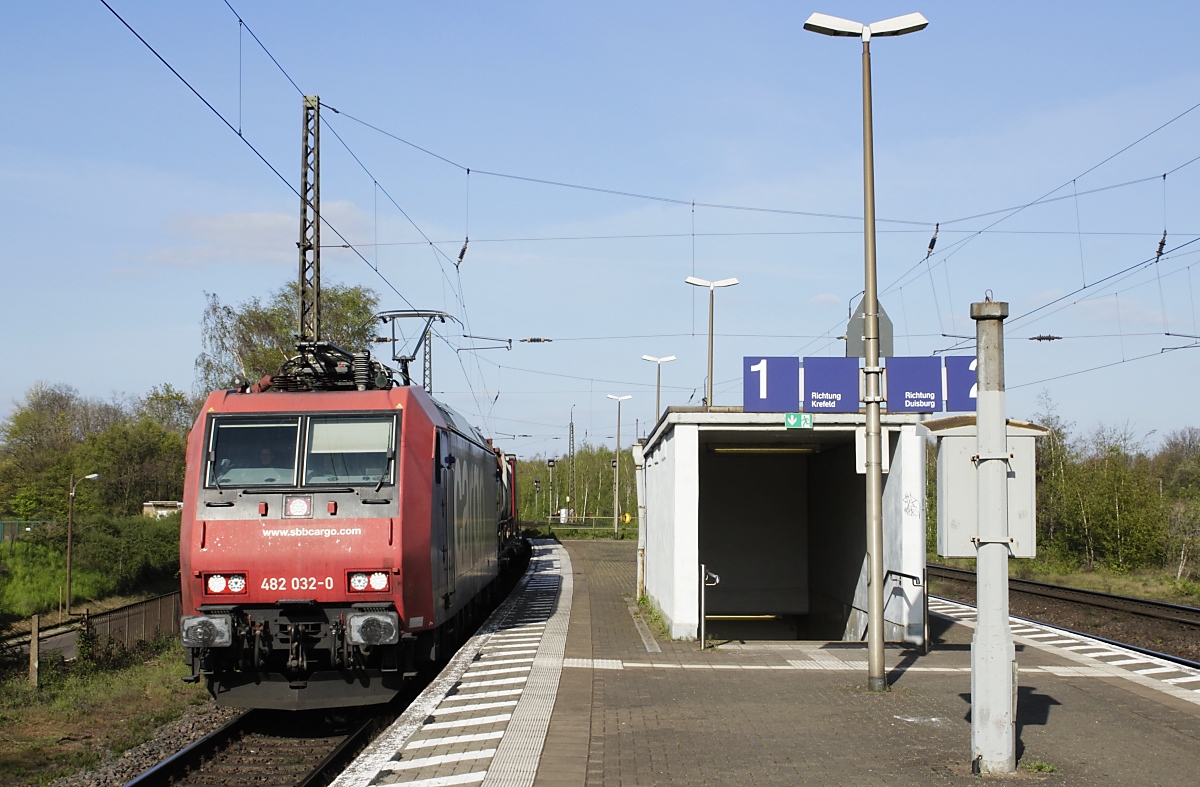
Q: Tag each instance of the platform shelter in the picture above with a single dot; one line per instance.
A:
(778, 513)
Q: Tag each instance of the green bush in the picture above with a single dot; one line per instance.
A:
(109, 555)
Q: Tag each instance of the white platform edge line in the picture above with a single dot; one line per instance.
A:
(1157, 684)
(370, 762)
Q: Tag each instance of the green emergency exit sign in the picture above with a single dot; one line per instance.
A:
(798, 420)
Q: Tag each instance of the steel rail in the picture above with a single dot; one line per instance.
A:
(342, 755)
(184, 760)
(188, 760)
(1158, 610)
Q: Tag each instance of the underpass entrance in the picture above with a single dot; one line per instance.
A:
(779, 515)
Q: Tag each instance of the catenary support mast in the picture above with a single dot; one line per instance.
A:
(309, 289)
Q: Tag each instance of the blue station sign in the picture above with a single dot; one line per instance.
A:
(831, 385)
(770, 384)
(914, 385)
(961, 383)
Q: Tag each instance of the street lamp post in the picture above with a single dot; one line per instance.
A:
(617, 469)
(712, 286)
(550, 465)
(658, 385)
(833, 26)
(70, 525)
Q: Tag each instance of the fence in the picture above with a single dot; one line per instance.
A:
(581, 522)
(140, 622)
(13, 529)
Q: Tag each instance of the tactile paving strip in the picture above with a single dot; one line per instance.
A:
(483, 720)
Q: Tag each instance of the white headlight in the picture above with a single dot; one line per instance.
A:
(358, 581)
(379, 581)
(216, 583)
(237, 583)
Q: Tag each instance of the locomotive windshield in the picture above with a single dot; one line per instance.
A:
(347, 449)
(253, 452)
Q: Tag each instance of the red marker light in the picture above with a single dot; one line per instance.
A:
(332, 507)
(262, 509)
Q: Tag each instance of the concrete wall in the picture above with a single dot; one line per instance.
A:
(837, 540)
(754, 532)
(903, 545)
(672, 500)
(785, 531)
(904, 538)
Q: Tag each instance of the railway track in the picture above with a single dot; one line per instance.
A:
(1158, 610)
(269, 748)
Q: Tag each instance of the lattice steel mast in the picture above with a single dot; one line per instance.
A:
(309, 290)
(427, 361)
(571, 465)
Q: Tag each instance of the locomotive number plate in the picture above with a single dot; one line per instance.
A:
(297, 583)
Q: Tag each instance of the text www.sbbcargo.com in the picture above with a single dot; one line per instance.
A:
(309, 532)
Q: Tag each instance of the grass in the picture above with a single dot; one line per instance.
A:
(658, 626)
(80, 715)
(1149, 583)
(1040, 766)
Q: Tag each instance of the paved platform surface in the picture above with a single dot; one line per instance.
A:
(566, 686)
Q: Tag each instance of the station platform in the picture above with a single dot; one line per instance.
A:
(564, 685)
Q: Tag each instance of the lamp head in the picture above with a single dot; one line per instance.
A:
(899, 25)
(90, 476)
(833, 25)
(698, 282)
(725, 283)
(836, 26)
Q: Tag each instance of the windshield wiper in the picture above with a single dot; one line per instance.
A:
(391, 455)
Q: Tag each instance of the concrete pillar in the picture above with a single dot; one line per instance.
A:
(993, 657)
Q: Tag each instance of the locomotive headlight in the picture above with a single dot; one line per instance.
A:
(221, 584)
(298, 506)
(374, 628)
(358, 581)
(207, 631)
(379, 581)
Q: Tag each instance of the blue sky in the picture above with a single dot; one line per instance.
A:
(125, 198)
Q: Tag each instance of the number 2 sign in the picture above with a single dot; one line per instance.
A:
(770, 384)
(961, 385)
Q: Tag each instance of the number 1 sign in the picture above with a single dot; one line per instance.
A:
(770, 384)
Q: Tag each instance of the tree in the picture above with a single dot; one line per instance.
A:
(137, 450)
(593, 485)
(170, 408)
(137, 461)
(256, 337)
(36, 443)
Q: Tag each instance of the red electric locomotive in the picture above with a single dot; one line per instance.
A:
(334, 540)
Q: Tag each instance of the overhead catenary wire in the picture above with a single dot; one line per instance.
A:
(352, 246)
(457, 290)
(250, 145)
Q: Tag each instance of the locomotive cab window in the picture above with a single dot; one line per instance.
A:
(253, 452)
(348, 449)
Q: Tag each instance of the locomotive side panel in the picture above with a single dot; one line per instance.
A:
(476, 530)
(465, 529)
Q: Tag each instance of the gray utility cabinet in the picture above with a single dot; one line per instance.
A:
(957, 507)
